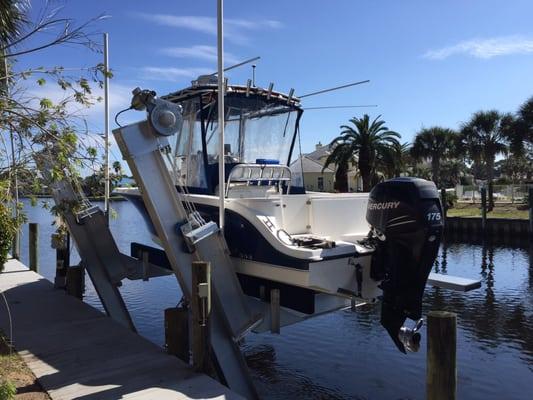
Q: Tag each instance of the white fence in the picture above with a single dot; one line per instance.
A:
(501, 193)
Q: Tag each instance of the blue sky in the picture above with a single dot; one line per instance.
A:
(429, 62)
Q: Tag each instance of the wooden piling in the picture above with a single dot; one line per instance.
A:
(61, 242)
(483, 209)
(441, 355)
(76, 281)
(34, 246)
(201, 310)
(177, 332)
(145, 256)
(15, 245)
(274, 311)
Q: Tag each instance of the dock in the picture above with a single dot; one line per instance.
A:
(77, 352)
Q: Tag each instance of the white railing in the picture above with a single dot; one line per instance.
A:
(249, 174)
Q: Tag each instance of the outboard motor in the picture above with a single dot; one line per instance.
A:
(406, 219)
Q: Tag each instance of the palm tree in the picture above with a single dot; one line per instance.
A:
(525, 113)
(484, 138)
(365, 139)
(13, 20)
(433, 143)
(525, 116)
(342, 157)
(393, 161)
(117, 167)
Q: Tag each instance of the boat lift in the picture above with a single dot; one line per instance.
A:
(184, 236)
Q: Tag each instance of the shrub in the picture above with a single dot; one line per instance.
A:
(7, 390)
(8, 228)
(450, 200)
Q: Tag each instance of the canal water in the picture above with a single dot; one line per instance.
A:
(347, 355)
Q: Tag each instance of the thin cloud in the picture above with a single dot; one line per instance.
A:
(172, 74)
(236, 30)
(484, 48)
(201, 52)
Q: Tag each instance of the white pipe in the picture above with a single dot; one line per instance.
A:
(106, 126)
(221, 172)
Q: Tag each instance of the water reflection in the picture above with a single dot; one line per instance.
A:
(348, 355)
(500, 313)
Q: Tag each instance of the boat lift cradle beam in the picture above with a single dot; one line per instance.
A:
(144, 151)
(98, 250)
(89, 228)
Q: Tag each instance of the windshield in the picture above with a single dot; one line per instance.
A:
(254, 131)
(252, 135)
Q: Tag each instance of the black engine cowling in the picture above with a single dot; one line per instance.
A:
(406, 219)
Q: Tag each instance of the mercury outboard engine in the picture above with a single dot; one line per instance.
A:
(406, 219)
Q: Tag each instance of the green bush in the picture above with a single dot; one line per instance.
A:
(7, 390)
(8, 228)
(450, 200)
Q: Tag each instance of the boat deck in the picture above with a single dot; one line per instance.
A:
(76, 352)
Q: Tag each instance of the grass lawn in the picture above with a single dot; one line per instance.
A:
(15, 371)
(468, 210)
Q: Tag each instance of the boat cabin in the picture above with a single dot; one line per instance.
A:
(259, 138)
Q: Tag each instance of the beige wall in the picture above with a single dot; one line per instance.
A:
(311, 181)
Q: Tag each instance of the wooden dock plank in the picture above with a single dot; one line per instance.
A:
(76, 352)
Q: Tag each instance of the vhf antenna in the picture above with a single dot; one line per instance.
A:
(327, 107)
(238, 65)
(334, 88)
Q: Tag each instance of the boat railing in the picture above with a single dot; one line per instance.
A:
(259, 174)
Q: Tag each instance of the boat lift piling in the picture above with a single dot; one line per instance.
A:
(33, 236)
(441, 355)
(61, 243)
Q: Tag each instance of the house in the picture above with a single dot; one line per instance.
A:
(310, 166)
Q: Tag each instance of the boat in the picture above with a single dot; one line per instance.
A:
(322, 251)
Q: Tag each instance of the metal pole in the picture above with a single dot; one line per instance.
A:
(530, 200)
(106, 126)
(483, 209)
(221, 172)
(444, 203)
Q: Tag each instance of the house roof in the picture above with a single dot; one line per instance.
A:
(322, 151)
(308, 165)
